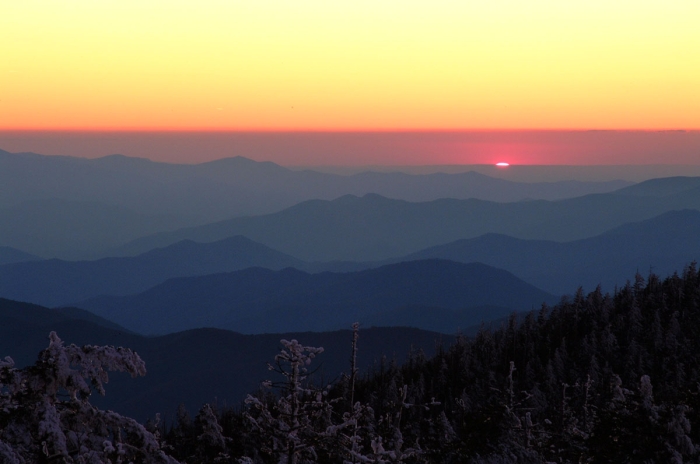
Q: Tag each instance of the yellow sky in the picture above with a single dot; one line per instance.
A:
(328, 65)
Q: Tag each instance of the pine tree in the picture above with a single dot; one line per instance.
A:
(292, 427)
(46, 415)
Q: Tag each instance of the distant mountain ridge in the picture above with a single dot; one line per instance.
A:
(662, 187)
(259, 300)
(9, 255)
(76, 229)
(662, 244)
(42, 198)
(56, 282)
(240, 186)
(374, 228)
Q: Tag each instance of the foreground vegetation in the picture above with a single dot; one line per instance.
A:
(596, 378)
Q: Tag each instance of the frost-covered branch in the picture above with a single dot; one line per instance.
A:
(36, 424)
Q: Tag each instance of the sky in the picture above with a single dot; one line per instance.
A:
(367, 66)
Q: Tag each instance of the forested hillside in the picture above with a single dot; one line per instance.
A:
(598, 378)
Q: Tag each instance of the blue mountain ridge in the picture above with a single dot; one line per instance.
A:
(257, 300)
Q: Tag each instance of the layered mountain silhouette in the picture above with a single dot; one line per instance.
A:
(662, 187)
(75, 208)
(237, 185)
(57, 282)
(76, 229)
(9, 255)
(257, 300)
(374, 227)
(196, 366)
(660, 245)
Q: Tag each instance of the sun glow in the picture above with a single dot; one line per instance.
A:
(502, 164)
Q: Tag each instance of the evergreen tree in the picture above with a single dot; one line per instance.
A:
(46, 415)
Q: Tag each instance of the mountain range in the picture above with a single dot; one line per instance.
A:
(662, 244)
(257, 300)
(75, 229)
(240, 186)
(57, 282)
(75, 208)
(203, 268)
(373, 227)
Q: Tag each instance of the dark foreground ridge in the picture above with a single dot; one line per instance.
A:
(192, 367)
(596, 378)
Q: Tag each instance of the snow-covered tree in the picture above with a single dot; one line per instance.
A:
(293, 425)
(46, 415)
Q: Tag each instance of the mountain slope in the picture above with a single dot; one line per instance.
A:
(197, 366)
(663, 244)
(376, 228)
(662, 187)
(56, 282)
(260, 300)
(10, 255)
(76, 229)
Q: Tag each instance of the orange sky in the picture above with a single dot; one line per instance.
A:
(361, 65)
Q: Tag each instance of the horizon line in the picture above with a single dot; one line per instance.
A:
(344, 131)
(303, 166)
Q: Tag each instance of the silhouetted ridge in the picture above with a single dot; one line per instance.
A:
(666, 186)
(259, 300)
(664, 225)
(10, 255)
(120, 159)
(56, 282)
(374, 228)
(175, 196)
(242, 162)
(663, 243)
